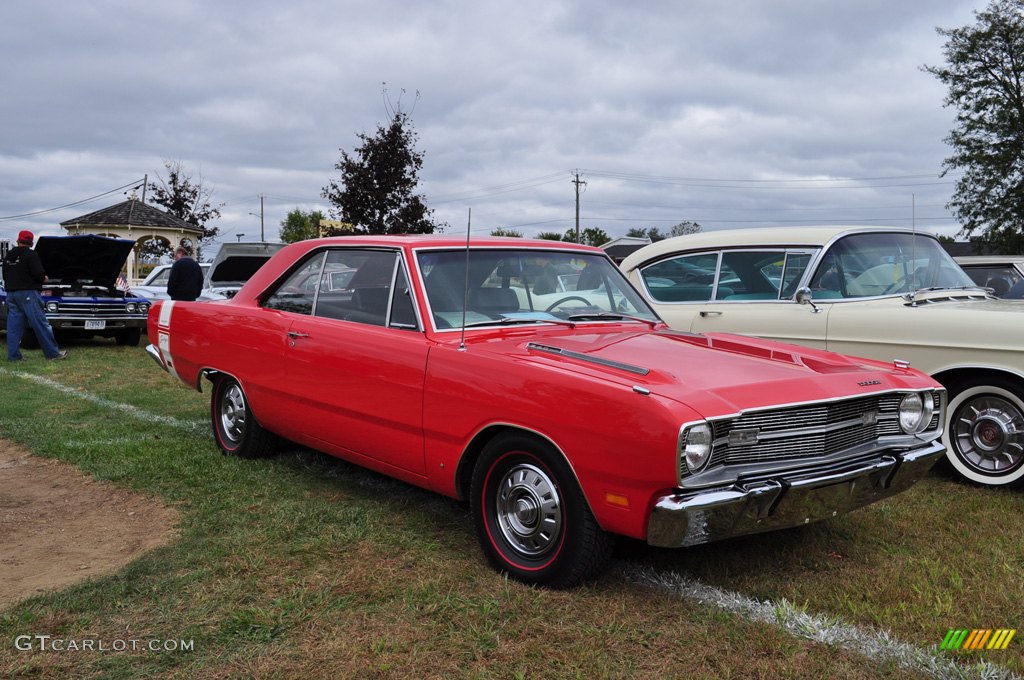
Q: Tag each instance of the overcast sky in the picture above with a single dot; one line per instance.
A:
(740, 113)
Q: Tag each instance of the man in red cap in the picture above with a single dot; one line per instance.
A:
(24, 278)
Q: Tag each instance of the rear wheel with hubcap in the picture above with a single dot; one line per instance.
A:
(234, 428)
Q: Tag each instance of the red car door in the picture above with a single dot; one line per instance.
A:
(358, 364)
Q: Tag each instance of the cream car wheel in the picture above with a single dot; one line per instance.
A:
(984, 436)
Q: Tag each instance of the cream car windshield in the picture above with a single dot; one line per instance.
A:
(526, 286)
(867, 265)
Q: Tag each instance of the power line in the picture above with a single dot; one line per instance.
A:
(485, 192)
(136, 184)
(687, 208)
(612, 174)
(702, 220)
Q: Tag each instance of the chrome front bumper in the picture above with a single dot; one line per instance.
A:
(792, 499)
(154, 353)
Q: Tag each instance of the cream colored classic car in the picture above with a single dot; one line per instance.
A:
(888, 294)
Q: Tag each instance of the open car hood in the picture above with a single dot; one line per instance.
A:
(83, 260)
(235, 263)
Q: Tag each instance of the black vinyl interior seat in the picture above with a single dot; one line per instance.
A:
(494, 300)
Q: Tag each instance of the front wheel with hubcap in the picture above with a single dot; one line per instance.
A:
(234, 428)
(531, 517)
(984, 436)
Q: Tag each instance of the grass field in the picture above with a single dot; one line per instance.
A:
(302, 565)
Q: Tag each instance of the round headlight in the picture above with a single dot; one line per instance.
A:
(52, 306)
(696, 446)
(915, 412)
(143, 307)
(130, 307)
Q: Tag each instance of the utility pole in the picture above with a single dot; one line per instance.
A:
(577, 182)
(262, 239)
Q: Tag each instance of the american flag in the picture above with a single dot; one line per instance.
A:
(122, 284)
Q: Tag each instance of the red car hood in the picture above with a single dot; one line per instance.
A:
(715, 374)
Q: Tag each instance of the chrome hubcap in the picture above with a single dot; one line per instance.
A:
(232, 414)
(989, 434)
(529, 510)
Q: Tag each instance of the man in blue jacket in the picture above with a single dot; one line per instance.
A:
(186, 279)
(24, 278)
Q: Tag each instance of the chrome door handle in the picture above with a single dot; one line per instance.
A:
(706, 314)
(293, 335)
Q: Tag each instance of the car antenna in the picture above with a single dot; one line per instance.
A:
(465, 287)
(913, 245)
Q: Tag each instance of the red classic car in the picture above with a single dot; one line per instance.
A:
(531, 379)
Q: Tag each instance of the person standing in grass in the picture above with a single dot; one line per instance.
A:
(186, 279)
(24, 278)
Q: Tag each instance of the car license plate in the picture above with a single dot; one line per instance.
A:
(95, 325)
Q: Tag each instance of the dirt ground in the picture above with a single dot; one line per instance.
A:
(59, 526)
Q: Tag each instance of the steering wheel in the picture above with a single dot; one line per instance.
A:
(915, 280)
(568, 298)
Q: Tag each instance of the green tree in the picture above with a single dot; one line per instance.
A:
(984, 74)
(591, 236)
(507, 232)
(185, 197)
(299, 225)
(685, 227)
(376, 190)
(652, 233)
(549, 236)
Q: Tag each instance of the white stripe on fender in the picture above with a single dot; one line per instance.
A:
(163, 341)
(165, 313)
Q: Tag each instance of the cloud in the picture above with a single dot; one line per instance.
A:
(260, 96)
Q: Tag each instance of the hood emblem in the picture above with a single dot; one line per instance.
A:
(865, 383)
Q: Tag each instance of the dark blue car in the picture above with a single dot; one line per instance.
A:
(81, 296)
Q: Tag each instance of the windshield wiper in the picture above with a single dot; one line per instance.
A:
(615, 316)
(508, 321)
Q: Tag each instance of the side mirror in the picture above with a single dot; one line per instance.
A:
(805, 297)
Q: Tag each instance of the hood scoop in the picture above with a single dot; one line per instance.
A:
(580, 356)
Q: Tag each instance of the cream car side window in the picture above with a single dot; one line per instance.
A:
(688, 278)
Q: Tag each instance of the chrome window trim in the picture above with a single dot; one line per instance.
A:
(327, 248)
(319, 280)
(401, 268)
(646, 292)
(812, 267)
(720, 251)
(582, 253)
